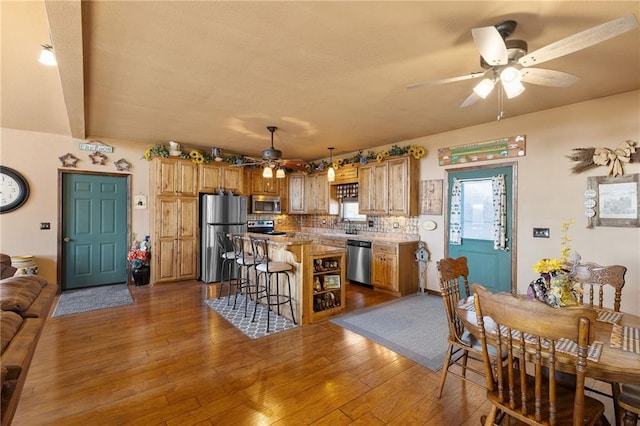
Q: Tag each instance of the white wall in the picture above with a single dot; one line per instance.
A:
(548, 193)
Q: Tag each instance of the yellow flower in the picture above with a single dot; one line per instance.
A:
(417, 151)
(547, 266)
(194, 154)
(147, 153)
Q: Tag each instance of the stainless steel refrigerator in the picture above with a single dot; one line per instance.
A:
(218, 213)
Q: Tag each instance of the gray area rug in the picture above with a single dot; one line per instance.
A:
(255, 329)
(414, 326)
(91, 299)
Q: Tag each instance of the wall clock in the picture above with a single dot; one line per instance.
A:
(14, 190)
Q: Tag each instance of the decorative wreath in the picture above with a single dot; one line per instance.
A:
(614, 159)
(98, 158)
(68, 160)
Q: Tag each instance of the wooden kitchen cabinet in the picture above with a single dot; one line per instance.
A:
(373, 188)
(325, 295)
(296, 193)
(394, 268)
(389, 187)
(215, 176)
(403, 186)
(173, 177)
(316, 194)
(175, 240)
(173, 213)
(259, 185)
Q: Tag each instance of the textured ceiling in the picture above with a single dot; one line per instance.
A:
(326, 73)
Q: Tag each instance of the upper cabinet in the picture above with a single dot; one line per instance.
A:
(296, 193)
(215, 176)
(174, 177)
(373, 188)
(316, 193)
(389, 187)
(259, 185)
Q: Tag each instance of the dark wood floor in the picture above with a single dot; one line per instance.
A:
(168, 359)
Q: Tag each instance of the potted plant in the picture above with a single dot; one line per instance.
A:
(138, 258)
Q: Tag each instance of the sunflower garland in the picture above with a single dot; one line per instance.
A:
(196, 156)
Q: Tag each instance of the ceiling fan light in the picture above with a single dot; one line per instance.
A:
(513, 89)
(267, 172)
(280, 174)
(483, 88)
(510, 75)
(47, 57)
(331, 174)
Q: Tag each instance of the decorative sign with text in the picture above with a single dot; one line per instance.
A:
(95, 146)
(513, 146)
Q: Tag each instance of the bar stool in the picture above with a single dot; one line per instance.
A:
(244, 262)
(274, 294)
(629, 402)
(228, 256)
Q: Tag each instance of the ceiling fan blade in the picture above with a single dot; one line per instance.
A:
(491, 45)
(472, 99)
(294, 164)
(448, 80)
(580, 41)
(544, 77)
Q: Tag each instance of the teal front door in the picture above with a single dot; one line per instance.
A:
(94, 230)
(492, 267)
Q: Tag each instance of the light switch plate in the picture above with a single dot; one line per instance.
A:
(540, 232)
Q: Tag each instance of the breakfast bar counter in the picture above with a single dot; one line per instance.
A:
(317, 277)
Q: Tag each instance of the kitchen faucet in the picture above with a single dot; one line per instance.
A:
(349, 227)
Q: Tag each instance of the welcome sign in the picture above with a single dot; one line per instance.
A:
(96, 146)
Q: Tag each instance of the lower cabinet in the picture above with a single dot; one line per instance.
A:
(325, 292)
(394, 268)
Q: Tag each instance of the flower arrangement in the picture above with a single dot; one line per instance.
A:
(139, 254)
(196, 156)
(556, 286)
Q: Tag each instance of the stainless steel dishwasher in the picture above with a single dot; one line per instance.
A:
(359, 261)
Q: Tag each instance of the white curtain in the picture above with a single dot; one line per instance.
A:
(455, 217)
(499, 212)
(498, 186)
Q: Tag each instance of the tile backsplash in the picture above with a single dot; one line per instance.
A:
(380, 224)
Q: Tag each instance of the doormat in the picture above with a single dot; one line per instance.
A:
(91, 299)
(256, 329)
(414, 326)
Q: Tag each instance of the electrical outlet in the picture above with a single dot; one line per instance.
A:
(540, 232)
(45, 225)
(324, 221)
(396, 225)
(370, 223)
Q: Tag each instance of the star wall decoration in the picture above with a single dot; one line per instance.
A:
(68, 160)
(122, 165)
(98, 158)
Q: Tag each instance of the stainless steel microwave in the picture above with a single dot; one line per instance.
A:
(269, 204)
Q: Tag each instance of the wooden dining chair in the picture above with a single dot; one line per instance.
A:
(454, 285)
(533, 336)
(629, 403)
(592, 276)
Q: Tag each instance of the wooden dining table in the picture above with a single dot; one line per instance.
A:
(615, 365)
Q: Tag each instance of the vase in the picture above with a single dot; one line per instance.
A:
(141, 275)
(561, 292)
(25, 265)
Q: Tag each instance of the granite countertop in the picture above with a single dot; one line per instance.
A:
(362, 237)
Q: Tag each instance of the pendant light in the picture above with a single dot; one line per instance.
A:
(280, 173)
(331, 173)
(267, 172)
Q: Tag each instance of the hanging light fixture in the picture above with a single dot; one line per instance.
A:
(267, 172)
(485, 87)
(331, 173)
(280, 173)
(47, 57)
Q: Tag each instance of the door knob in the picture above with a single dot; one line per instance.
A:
(66, 239)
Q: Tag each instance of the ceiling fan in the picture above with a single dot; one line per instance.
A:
(272, 159)
(507, 61)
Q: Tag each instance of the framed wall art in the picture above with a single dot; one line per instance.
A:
(613, 201)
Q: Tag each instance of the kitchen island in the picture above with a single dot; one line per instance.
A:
(317, 278)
